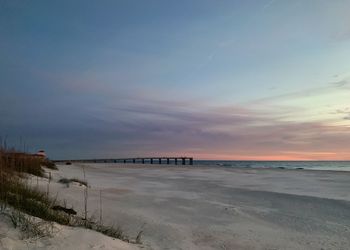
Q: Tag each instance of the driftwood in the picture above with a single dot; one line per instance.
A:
(64, 209)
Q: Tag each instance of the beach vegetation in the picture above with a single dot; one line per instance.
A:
(28, 203)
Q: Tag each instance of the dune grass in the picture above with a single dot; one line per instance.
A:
(24, 200)
(15, 191)
(17, 162)
(30, 227)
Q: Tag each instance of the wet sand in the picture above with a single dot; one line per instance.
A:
(217, 208)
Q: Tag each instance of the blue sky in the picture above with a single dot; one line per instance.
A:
(214, 79)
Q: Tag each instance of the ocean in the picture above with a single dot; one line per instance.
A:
(313, 165)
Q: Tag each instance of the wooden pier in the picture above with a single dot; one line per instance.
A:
(139, 160)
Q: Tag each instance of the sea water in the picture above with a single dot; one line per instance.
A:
(314, 165)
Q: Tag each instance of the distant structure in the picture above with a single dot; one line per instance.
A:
(41, 153)
(143, 160)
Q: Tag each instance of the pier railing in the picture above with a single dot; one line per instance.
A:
(139, 160)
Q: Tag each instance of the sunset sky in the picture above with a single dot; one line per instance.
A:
(212, 79)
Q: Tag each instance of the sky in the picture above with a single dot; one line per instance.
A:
(212, 79)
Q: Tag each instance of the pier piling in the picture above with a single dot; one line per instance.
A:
(143, 160)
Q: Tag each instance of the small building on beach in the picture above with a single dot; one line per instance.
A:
(41, 153)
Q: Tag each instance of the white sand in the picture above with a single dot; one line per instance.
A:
(64, 237)
(216, 208)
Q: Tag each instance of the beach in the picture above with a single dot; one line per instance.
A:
(175, 125)
(63, 237)
(183, 207)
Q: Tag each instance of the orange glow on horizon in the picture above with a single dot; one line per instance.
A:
(302, 156)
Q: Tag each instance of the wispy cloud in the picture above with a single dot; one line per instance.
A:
(236, 131)
(268, 4)
(345, 112)
(139, 124)
(148, 126)
(341, 83)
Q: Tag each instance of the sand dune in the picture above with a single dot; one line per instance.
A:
(63, 237)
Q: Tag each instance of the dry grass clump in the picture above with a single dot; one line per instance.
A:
(90, 223)
(28, 226)
(32, 201)
(20, 162)
(12, 161)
